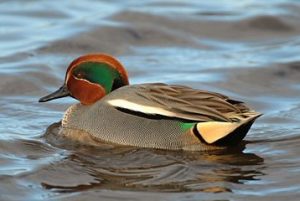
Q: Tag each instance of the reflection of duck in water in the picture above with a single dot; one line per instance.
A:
(129, 168)
(208, 171)
(146, 115)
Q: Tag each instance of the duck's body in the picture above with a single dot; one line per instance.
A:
(152, 115)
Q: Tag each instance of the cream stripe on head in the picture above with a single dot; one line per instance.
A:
(125, 104)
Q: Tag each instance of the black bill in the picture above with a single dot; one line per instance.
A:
(60, 93)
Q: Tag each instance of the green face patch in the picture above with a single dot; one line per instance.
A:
(99, 73)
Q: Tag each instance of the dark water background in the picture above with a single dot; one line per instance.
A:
(249, 50)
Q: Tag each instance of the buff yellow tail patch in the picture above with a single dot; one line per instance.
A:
(213, 131)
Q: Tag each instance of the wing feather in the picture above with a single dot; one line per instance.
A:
(179, 102)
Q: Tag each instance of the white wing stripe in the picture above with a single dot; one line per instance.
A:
(121, 103)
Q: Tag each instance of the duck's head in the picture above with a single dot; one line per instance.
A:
(91, 77)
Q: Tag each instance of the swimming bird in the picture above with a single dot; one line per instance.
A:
(153, 115)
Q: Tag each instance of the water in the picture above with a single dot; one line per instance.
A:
(246, 49)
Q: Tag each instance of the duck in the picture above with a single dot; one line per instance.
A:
(148, 115)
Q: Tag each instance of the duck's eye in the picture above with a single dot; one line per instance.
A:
(79, 75)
